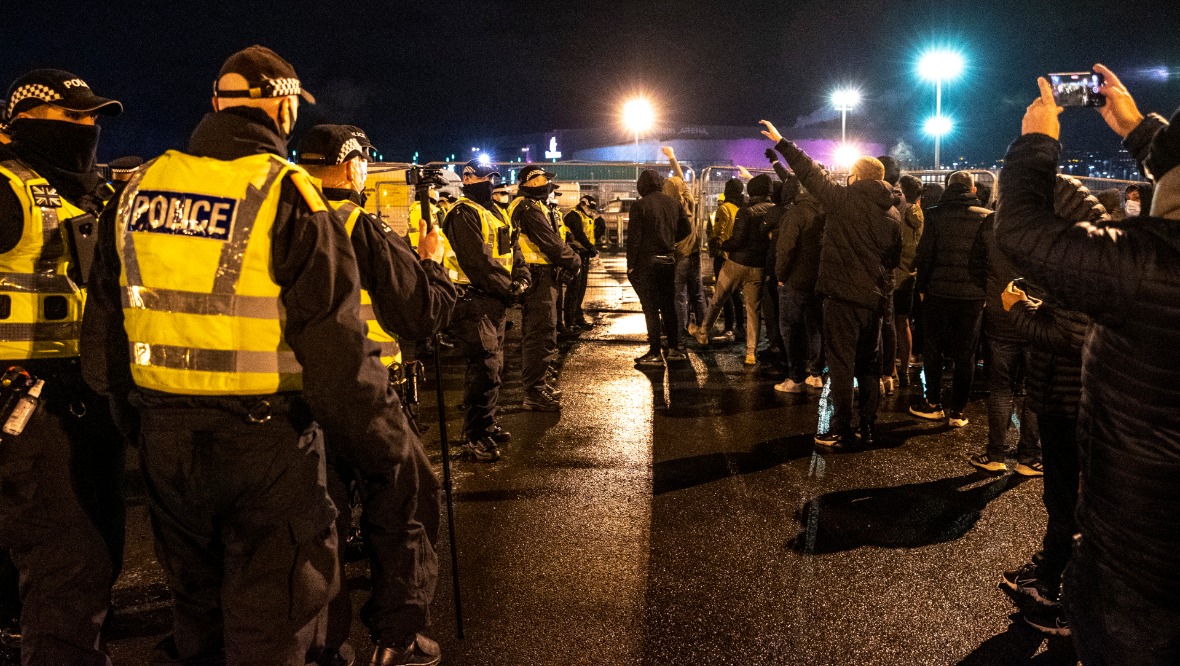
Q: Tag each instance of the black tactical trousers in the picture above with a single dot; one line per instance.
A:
(244, 533)
(575, 293)
(61, 520)
(478, 327)
(538, 323)
(399, 523)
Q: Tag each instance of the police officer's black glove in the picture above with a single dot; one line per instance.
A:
(771, 155)
(517, 289)
(565, 277)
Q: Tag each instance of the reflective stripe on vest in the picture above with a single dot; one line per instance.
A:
(532, 253)
(200, 305)
(391, 351)
(413, 231)
(498, 250)
(40, 306)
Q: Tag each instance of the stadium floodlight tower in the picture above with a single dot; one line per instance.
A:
(845, 100)
(638, 116)
(939, 65)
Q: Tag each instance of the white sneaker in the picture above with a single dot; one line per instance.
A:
(788, 386)
(814, 381)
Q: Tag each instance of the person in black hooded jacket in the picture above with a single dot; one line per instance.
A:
(656, 222)
(861, 247)
(952, 303)
(1122, 584)
(746, 249)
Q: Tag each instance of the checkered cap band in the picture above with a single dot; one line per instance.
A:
(34, 91)
(284, 87)
(348, 147)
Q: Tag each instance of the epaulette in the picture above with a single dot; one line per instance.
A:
(315, 200)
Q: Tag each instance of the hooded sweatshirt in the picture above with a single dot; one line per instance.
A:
(655, 223)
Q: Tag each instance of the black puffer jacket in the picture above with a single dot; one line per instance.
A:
(1055, 366)
(1127, 277)
(945, 249)
(800, 237)
(862, 233)
(748, 244)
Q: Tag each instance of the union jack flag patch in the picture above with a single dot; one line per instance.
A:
(45, 196)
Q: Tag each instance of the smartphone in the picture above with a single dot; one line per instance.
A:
(1077, 88)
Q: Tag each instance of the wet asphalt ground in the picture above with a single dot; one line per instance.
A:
(683, 516)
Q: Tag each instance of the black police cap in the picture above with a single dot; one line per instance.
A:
(532, 171)
(59, 88)
(329, 145)
(266, 74)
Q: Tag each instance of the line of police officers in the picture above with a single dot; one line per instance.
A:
(240, 314)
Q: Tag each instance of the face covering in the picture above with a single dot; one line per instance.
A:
(60, 151)
(480, 192)
(539, 193)
(501, 199)
(1133, 208)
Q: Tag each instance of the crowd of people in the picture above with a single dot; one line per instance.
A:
(1072, 297)
(236, 316)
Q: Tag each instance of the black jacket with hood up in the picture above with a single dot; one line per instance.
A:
(655, 223)
(862, 234)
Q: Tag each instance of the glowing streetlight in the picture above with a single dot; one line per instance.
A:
(484, 159)
(937, 126)
(845, 154)
(638, 116)
(939, 65)
(845, 100)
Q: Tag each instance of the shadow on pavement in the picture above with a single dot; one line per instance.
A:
(682, 473)
(906, 516)
(1019, 645)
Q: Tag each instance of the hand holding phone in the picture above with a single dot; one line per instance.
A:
(1077, 88)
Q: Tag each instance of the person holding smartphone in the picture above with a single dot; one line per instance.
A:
(1122, 585)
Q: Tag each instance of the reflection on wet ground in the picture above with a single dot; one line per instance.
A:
(682, 516)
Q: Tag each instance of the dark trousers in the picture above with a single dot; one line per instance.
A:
(852, 336)
(538, 327)
(399, 524)
(575, 294)
(690, 295)
(733, 308)
(655, 286)
(1059, 454)
(478, 327)
(1110, 622)
(1008, 357)
(888, 339)
(770, 314)
(951, 330)
(61, 520)
(244, 532)
(800, 322)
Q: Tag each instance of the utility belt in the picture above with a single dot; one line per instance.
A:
(407, 380)
(169, 412)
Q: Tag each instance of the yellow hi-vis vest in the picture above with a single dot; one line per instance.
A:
(414, 231)
(40, 306)
(200, 304)
(497, 244)
(532, 253)
(587, 226)
(391, 351)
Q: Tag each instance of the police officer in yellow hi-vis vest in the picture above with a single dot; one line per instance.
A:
(580, 222)
(414, 227)
(545, 251)
(406, 295)
(61, 511)
(493, 275)
(225, 300)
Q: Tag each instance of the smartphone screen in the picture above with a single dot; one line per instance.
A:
(1077, 89)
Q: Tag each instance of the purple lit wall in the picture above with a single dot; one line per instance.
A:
(704, 152)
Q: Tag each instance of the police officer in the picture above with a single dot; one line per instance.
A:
(413, 228)
(406, 295)
(225, 300)
(546, 253)
(493, 275)
(61, 512)
(501, 197)
(580, 222)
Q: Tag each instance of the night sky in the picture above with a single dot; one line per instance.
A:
(440, 77)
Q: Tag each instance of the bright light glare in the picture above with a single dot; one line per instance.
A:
(939, 125)
(638, 114)
(846, 99)
(845, 154)
(484, 159)
(940, 65)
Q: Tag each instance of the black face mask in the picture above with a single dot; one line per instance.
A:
(62, 152)
(480, 193)
(540, 192)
